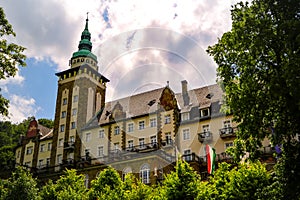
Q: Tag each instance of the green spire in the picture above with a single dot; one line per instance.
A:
(85, 44)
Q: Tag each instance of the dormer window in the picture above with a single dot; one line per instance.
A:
(205, 112)
(185, 116)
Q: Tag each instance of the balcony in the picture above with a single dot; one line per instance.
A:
(227, 132)
(142, 148)
(69, 145)
(167, 143)
(205, 136)
(191, 157)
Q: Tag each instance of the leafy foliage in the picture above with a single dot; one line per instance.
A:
(181, 184)
(21, 186)
(107, 185)
(69, 186)
(10, 56)
(259, 67)
(49, 123)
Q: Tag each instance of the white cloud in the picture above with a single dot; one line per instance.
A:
(21, 108)
(51, 30)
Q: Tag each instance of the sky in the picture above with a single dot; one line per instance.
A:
(141, 45)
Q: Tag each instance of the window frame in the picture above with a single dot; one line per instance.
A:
(186, 134)
(153, 122)
(145, 173)
(117, 130)
(130, 127)
(142, 125)
(101, 133)
(168, 119)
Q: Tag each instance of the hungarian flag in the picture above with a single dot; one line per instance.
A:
(211, 159)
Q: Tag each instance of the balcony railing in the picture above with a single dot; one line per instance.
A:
(69, 145)
(192, 157)
(227, 132)
(205, 136)
(142, 147)
(167, 143)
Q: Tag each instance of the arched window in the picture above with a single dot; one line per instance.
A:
(86, 180)
(145, 173)
(125, 171)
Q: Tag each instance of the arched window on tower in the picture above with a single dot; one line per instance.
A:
(145, 173)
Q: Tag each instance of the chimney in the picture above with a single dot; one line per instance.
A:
(185, 95)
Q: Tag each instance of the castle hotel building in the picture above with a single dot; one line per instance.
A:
(143, 134)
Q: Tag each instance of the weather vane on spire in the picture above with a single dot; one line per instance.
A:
(87, 15)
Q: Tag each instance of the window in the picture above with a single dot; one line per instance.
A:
(227, 124)
(186, 134)
(48, 162)
(72, 139)
(116, 147)
(59, 159)
(62, 128)
(73, 125)
(28, 164)
(41, 162)
(130, 127)
(65, 101)
(227, 127)
(228, 144)
(88, 137)
(75, 99)
(153, 122)
(63, 114)
(130, 144)
(49, 146)
(205, 128)
(185, 116)
(142, 142)
(29, 150)
(74, 111)
(141, 125)
(167, 119)
(86, 181)
(205, 112)
(101, 133)
(42, 149)
(60, 142)
(153, 140)
(187, 155)
(127, 170)
(117, 130)
(100, 151)
(19, 153)
(168, 138)
(145, 174)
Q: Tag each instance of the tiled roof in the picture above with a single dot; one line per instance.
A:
(202, 97)
(45, 132)
(145, 103)
(134, 105)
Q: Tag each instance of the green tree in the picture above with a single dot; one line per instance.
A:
(107, 185)
(259, 67)
(21, 186)
(69, 186)
(245, 181)
(10, 57)
(9, 137)
(183, 183)
(49, 123)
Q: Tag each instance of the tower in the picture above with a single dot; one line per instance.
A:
(81, 93)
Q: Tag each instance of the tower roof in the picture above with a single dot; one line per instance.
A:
(85, 44)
